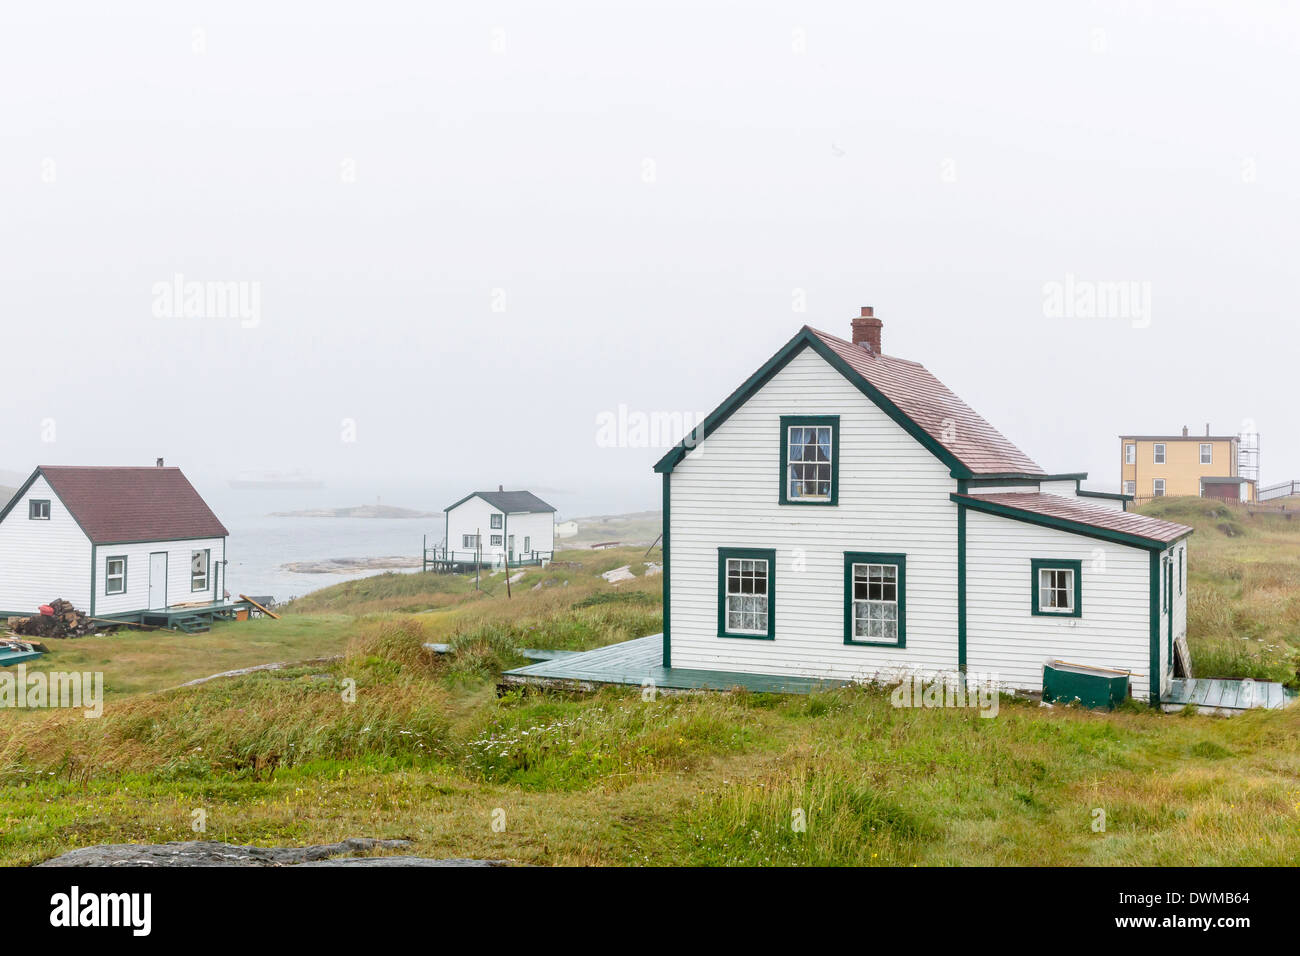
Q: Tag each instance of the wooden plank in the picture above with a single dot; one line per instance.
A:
(245, 597)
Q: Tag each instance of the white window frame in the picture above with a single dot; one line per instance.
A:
(800, 467)
(1207, 453)
(119, 577)
(469, 541)
(1157, 487)
(528, 544)
(1130, 453)
(749, 612)
(206, 576)
(881, 602)
(1159, 453)
(1130, 487)
(1046, 589)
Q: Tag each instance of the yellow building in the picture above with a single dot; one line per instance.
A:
(1153, 466)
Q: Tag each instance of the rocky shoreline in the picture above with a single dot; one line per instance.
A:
(394, 562)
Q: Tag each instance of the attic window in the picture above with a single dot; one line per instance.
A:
(1057, 587)
(38, 509)
(810, 460)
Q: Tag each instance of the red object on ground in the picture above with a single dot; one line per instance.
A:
(47, 610)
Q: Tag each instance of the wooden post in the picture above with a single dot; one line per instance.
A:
(506, 551)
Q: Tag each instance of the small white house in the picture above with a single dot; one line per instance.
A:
(500, 525)
(116, 542)
(843, 515)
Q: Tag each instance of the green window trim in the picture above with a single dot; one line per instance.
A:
(495, 522)
(34, 509)
(747, 554)
(107, 581)
(875, 557)
(1181, 552)
(810, 421)
(1055, 564)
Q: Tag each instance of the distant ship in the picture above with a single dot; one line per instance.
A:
(288, 480)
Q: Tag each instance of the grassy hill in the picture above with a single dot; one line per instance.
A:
(1243, 599)
(428, 751)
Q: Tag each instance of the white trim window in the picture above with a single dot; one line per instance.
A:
(875, 602)
(1130, 453)
(469, 542)
(747, 596)
(1158, 487)
(1130, 487)
(200, 563)
(528, 544)
(115, 576)
(1207, 453)
(1056, 590)
(1158, 453)
(810, 459)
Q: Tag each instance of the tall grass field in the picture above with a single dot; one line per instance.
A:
(368, 733)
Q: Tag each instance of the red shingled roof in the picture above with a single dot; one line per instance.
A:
(1082, 511)
(941, 414)
(116, 505)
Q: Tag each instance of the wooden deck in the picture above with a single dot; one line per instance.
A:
(1226, 697)
(637, 663)
(192, 619)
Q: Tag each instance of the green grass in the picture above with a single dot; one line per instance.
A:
(391, 740)
(1243, 598)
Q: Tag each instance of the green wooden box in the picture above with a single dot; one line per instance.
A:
(1065, 683)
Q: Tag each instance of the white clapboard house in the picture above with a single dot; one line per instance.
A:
(843, 515)
(499, 526)
(116, 542)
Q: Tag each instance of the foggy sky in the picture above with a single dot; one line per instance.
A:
(476, 227)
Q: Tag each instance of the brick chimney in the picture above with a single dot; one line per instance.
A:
(160, 462)
(866, 330)
(1184, 431)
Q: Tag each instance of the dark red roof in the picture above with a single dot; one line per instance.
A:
(1082, 511)
(117, 505)
(932, 406)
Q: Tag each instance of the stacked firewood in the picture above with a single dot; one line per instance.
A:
(63, 620)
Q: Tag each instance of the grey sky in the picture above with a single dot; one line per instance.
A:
(388, 172)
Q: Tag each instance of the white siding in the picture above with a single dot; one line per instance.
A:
(893, 497)
(476, 515)
(1004, 638)
(136, 597)
(41, 561)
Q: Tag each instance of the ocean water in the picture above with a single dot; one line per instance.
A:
(259, 547)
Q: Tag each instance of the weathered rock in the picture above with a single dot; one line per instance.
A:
(211, 853)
